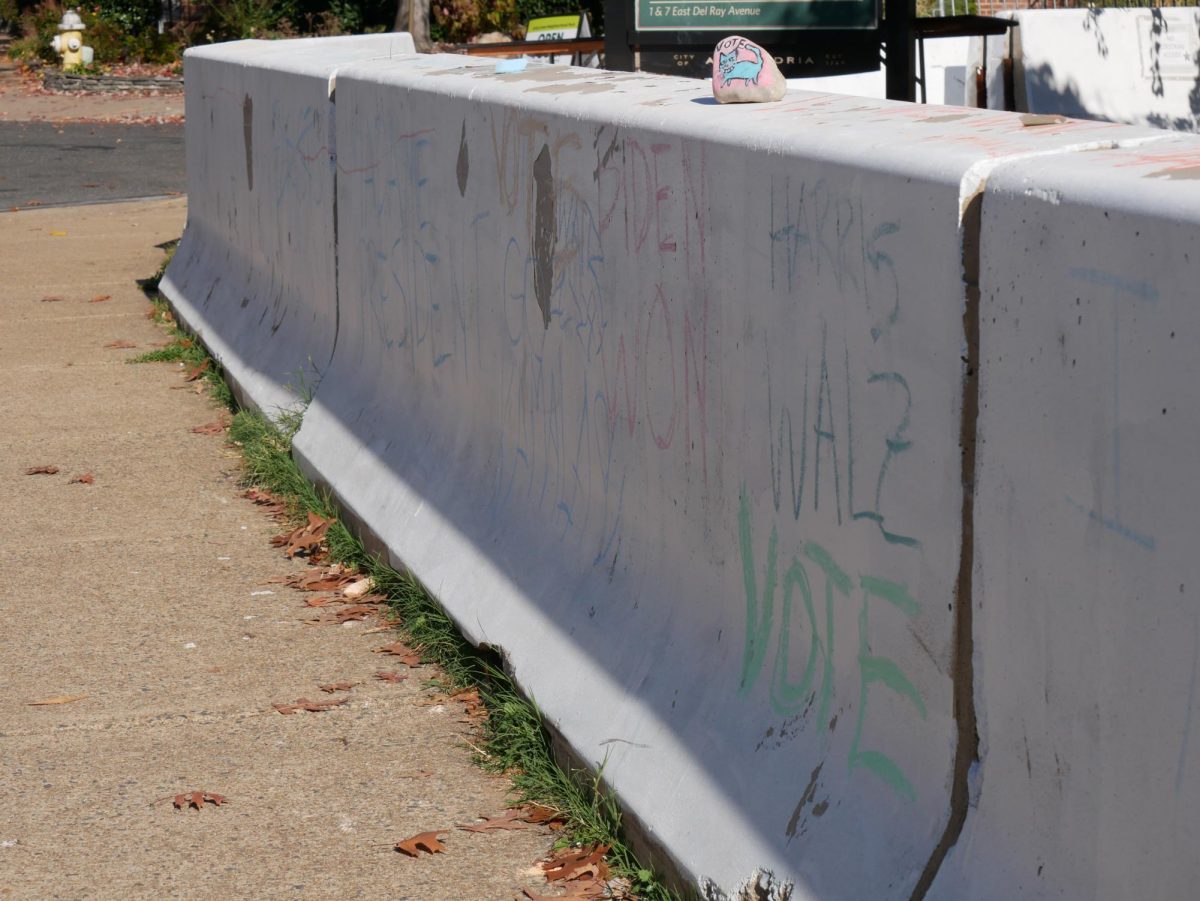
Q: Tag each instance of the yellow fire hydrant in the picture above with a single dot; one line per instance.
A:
(68, 43)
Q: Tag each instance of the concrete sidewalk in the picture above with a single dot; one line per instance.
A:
(148, 594)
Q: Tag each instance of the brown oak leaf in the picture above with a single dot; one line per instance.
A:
(209, 428)
(389, 677)
(324, 579)
(399, 649)
(271, 504)
(540, 814)
(306, 538)
(310, 706)
(120, 344)
(425, 841)
(196, 800)
(592, 890)
(196, 371)
(471, 701)
(322, 602)
(41, 470)
(331, 687)
(512, 819)
(52, 298)
(100, 298)
(86, 479)
(576, 863)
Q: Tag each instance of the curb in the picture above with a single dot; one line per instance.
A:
(110, 84)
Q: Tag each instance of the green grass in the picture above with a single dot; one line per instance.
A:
(186, 350)
(514, 738)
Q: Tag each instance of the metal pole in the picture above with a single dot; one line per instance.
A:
(618, 22)
(901, 49)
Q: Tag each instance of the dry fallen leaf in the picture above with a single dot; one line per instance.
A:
(513, 819)
(592, 890)
(61, 699)
(100, 298)
(86, 479)
(407, 655)
(390, 677)
(355, 612)
(540, 814)
(471, 700)
(52, 298)
(307, 538)
(196, 800)
(310, 706)
(41, 470)
(196, 371)
(210, 428)
(331, 687)
(120, 344)
(271, 504)
(322, 579)
(426, 841)
(576, 863)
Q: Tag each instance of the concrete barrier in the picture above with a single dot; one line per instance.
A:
(662, 399)
(254, 275)
(1087, 622)
(1139, 66)
(665, 401)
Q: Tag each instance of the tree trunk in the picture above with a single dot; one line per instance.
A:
(413, 16)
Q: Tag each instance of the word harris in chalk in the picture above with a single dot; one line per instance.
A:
(744, 72)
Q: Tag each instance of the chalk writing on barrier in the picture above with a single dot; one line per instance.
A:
(576, 384)
(828, 400)
(789, 694)
(827, 233)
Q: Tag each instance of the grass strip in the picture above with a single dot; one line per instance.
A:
(515, 741)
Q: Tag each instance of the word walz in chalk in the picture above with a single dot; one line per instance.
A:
(743, 72)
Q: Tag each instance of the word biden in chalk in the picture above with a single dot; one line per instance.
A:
(743, 72)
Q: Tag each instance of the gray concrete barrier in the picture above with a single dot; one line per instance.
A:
(255, 274)
(1087, 577)
(1137, 65)
(673, 404)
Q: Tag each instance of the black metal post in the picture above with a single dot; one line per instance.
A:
(901, 49)
(618, 16)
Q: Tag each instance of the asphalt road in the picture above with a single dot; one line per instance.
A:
(44, 163)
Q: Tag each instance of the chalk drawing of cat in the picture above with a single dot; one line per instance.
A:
(747, 70)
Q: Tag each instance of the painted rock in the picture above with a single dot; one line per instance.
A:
(743, 72)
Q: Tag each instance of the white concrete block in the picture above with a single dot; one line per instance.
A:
(662, 398)
(255, 272)
(1086, 571)
(1140, 66)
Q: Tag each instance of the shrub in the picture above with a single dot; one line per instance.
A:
(112, 42)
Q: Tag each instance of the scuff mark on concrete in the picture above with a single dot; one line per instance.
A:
(248, 138)
(462, 168)
(545, 232)
(809, 792)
